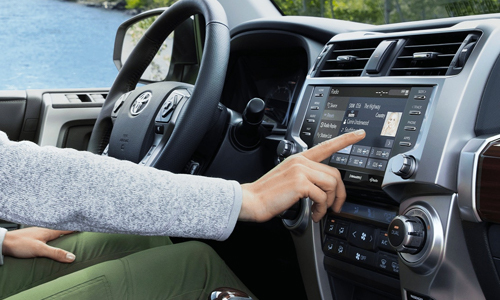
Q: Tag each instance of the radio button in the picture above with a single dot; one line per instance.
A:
(355, 177)
(360, 150)
(340, 159)
(357, 161)
(380, 152)
(376, 164)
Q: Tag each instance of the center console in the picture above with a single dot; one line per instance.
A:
(392, 117)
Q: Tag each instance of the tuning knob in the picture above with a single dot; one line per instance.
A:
(285, 148)
(404, 165)
(407, 234)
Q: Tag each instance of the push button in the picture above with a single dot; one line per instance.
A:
(383, 242)
(388, 263)
(341, 229)
(330, 246)
(341, 248)
(362, 256)
(362, 236)
(330, 227)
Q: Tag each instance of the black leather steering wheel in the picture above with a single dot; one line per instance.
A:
(130, 135)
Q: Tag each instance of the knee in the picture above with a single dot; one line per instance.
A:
(202, 253)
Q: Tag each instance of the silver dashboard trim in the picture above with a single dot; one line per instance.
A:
(467, 176)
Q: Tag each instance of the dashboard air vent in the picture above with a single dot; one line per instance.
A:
(347, 59)
(434, 54)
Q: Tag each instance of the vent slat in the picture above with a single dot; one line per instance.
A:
(359, 50)
(342, 70)
(358, 59)
(442, 49)
(434, 45)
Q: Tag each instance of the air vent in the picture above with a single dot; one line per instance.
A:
(347, 59)
(434, 54)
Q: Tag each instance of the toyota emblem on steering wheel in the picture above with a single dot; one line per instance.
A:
(140, 103)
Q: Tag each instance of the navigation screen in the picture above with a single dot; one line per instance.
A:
(378, 111)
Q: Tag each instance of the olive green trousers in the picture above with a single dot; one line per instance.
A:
(112, 266)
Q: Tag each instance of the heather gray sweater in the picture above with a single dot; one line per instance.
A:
(74, 190)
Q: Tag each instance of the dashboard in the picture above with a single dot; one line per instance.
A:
(420, 217)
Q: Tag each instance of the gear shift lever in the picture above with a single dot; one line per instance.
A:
(246, 134)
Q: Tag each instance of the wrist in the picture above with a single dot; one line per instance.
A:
(248, 197)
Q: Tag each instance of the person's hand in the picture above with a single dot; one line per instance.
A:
(299, 176)
(32, 242)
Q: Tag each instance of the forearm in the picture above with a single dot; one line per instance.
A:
(67, 189)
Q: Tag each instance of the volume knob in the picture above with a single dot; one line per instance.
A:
(407, 234)
(404, 165)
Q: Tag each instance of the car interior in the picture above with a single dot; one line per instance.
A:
(246, 87)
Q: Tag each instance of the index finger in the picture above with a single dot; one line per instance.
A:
(325, 149)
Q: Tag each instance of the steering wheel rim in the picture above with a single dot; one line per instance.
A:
(197, 114)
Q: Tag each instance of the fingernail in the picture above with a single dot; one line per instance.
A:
(359, 132)
(70, 256)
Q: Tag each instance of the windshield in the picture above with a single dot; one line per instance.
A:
(387, 11)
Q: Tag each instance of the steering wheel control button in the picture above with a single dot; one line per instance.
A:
(361, 236)
(167, 109)
(407, 234)
(119, 104)
(159, 129)
(404, 165)
(140, 103)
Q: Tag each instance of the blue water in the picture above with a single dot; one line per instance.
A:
(56, 44)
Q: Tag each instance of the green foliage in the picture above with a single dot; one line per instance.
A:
(387, 11)
(148, 4)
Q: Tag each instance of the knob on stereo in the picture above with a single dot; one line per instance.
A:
(285, 148)
(404, 165)
(407, 234)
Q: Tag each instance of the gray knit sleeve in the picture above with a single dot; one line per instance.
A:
(75, 190)
(3, 231)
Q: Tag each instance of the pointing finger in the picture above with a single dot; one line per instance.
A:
(325, 149)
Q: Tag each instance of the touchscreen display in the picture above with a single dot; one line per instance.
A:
(376, 110)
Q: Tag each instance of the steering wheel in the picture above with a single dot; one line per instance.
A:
(161, 124)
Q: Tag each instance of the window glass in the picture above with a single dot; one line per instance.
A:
(387, 11)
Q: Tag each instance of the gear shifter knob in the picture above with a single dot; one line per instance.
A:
(224, 293)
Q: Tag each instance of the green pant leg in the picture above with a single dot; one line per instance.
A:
(188, 270)
(90, 248)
